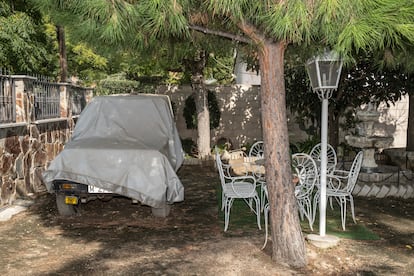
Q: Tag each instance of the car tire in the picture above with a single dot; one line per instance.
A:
(65, 209)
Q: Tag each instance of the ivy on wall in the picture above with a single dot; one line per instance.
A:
(190, 113)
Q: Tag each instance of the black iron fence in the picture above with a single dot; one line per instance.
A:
(27, 98)
(7, 98)
(46, 99)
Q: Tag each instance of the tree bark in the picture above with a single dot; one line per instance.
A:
(288, 242)
(60, 32)
(196, 66)
(410, 127)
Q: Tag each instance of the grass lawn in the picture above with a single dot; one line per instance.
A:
(243, 220)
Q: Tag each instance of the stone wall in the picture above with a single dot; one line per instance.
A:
(389, 183)
(28, 145)
(26, 151)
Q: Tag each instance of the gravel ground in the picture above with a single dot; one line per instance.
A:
(120, 238)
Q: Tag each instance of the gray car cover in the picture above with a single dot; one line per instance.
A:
(126, 144)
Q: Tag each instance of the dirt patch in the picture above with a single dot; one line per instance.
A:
(120, 238)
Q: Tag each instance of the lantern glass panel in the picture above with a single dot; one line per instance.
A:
(311, 68)
(329, 72)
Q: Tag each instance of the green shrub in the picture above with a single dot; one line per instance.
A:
(119, 84)
(189, 146)
(190, 113)
(116, 86)
(304, 146)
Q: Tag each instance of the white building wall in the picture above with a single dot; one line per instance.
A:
(240, 113)
(244, 76)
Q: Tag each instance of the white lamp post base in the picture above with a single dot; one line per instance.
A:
(326, 241)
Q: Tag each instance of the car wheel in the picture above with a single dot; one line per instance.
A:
(65, 209)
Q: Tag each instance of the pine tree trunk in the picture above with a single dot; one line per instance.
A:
(60, 32)
(203, 116)
(410, 127)
(196, 67)
(288, 242)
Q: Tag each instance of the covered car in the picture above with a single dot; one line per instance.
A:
(123, 144)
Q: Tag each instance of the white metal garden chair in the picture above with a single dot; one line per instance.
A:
(332, 160)
(304, 167)
(236, 187)
(256, 152)
(341, 183)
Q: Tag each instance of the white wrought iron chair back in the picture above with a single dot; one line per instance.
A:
(304, 167)
(332, 160)
(257, 150)
(354, 172)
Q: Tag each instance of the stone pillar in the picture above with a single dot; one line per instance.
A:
(23, 86)
(65, 108)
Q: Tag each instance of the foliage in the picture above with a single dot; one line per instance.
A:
(86, 64)
(116, 84)
(189, 147)
(220, 67)
(305, 146)
(368, 82)
(190, 114)
(300, 99)
(24, 41)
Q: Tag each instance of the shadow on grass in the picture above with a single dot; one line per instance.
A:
(243, 221)
(334, 227)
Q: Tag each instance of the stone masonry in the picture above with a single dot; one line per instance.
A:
(27, 146)
(26, 152)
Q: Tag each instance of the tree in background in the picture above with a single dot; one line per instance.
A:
(63, 61)
(24, 40)
(270, 26)
(95, 24)
(86, 64)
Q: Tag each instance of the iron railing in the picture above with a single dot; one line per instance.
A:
(46, 99)
(24, 99)
(7, 98)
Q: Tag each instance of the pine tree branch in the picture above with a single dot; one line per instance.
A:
(220, 33)
(251, 31)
